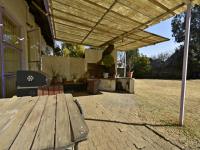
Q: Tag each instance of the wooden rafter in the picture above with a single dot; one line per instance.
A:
(61, 11)
(134, 9)
(49, 18)
(68, 41)
(50, 4)
(95, 4)
(82, 18)
(155, 2)
(143, 25)
(81, 24)
(99, 21)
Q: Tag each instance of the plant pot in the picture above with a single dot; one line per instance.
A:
(64, 80)
(130, 74)
(105, 75)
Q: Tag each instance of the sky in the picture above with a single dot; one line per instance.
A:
(163, 29)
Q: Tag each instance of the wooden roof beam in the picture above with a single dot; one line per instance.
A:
(51, 14)
(46, 4)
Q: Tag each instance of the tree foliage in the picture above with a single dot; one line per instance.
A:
(139, 64)
(108, 61)
(73, 50)
(57, 51)
(178, 29)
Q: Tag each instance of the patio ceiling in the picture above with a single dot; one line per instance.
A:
(119, 22)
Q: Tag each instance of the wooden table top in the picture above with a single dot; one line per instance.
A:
(44, 122)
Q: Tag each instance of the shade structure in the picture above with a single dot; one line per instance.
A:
(119, 22)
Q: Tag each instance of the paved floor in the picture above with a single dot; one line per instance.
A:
(114, 124)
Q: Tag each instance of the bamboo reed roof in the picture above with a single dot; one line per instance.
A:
(119, 22)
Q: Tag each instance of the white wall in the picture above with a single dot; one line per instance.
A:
(64, 66)
(93, 56)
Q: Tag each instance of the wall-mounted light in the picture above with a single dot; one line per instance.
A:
(1, 25)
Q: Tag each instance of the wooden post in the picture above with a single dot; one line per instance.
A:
(185, 63)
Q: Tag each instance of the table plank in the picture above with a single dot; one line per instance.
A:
(63, 133)
(4, 104)
(78, 125)
(28, 131)
(44, 138)
(11, 128)
(8, 110)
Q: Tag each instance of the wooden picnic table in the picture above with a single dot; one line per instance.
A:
(42, 122)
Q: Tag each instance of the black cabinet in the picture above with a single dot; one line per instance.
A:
(74, 87)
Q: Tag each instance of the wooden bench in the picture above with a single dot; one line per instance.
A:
(43, 122)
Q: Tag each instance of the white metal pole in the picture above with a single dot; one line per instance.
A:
(185, 63)
(124, 64)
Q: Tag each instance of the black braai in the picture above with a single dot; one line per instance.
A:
(28, 82)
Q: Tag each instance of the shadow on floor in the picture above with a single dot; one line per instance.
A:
(147, 125)
(132, 123)
(84, 93)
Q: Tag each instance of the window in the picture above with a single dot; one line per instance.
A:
(11, 32)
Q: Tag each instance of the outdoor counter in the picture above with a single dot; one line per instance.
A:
(117, 84)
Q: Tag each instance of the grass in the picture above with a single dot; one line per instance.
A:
(159, 102)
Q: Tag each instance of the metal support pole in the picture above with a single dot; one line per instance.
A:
(185, 63)
(124, 64)
(2, 54)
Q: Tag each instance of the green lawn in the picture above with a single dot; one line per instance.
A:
(158, 102)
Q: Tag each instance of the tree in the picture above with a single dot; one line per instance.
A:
(73, 50)
(139, 64)
(162, 57)
(141, 67)
(57, 51)
(178, 29)
(131, 57)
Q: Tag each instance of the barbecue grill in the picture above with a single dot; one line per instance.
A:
(28, 82)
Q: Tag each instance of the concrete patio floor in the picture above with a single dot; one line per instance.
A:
(115, 124)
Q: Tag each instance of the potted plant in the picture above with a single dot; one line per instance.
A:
(54, 76)
(130, 74)
(74, 77)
